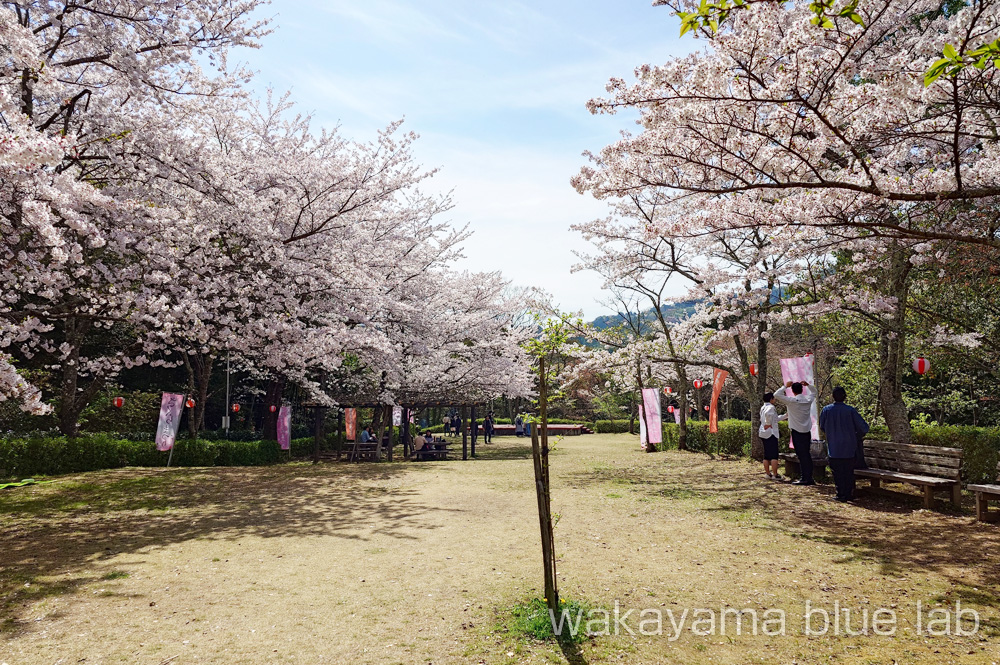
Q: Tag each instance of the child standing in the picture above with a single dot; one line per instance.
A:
(768, 432)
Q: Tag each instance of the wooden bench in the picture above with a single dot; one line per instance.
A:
(792, 465)
(930, 467)
(438, 451)
(985, 494)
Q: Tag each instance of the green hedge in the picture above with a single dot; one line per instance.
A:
(612, 426)
(733, 437)
(47, 456)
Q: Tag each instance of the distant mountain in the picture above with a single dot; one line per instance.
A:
(671, 313)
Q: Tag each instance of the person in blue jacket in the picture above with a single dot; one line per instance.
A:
(844, 427)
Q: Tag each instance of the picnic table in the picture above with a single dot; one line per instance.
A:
(360, 452)
(437, 449)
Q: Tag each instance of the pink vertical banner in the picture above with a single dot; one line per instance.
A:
(719, 377)
(651, 415)
(171, 407)
(397, 416)
(285, 428)
(802, 369)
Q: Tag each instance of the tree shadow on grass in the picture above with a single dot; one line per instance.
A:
(72, 525)
(572, 653)
(892, 531)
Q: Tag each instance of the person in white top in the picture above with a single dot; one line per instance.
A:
(768, 432)
(799, 407)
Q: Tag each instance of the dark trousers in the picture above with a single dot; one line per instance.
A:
(843, 477)
(803, 442)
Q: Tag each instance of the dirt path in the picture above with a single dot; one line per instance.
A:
(414, 563)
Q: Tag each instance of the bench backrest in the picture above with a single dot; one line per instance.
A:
(910, 458)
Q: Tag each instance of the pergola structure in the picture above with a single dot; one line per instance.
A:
(409, 404)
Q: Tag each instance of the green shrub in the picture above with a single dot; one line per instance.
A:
(612, 426)
(733, 437)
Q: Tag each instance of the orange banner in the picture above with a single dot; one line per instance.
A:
(719, 377)
(351, 420)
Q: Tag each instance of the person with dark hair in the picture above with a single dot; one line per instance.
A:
(488, 428)
(799, 407)
(843, 426)
(768, 432)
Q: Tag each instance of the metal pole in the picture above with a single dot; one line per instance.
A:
(225, 418)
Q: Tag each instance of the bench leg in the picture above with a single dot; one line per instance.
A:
(876, 484)
(791, 469)
(928, 497)
(956, 494)
(982, 507)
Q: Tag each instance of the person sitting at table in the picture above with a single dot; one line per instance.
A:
(366, 435)
(419, 442)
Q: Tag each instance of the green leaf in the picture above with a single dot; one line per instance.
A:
(854, 16)
(950, 52)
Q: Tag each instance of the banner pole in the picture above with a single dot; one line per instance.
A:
(171, 455)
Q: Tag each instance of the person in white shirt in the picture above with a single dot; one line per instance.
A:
(768, 432)
(799, 407)
(419, 442)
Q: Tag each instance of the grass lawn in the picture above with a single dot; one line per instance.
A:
(422, 563)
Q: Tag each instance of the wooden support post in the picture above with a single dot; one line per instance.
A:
(956, 494)
(319, 431)
(340, 433)
(465, 432)
(405, 433)
(474, 430)
(982, 507)
(928, 497)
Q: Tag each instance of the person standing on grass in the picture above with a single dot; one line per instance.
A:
(844, 427)
(519, 425)
(799, 407)
(768, 432)
(488, 428)
(447, 423)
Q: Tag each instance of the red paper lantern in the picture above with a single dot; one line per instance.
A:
(921, 365)
(236, 408)
(118, 402)
(273, 408)
(670, 409)
(668, 390)
(706, 407)
(753, 369)
(698, 384)
(189, 403)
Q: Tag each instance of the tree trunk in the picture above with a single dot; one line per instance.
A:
(199, 370)
(682, 404)
(892, 346)
(650, 447)
(73, 400)
(319, 431)
(275, 391)
(540, 456)
(756, 396)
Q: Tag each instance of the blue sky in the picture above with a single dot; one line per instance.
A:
(497, 91)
